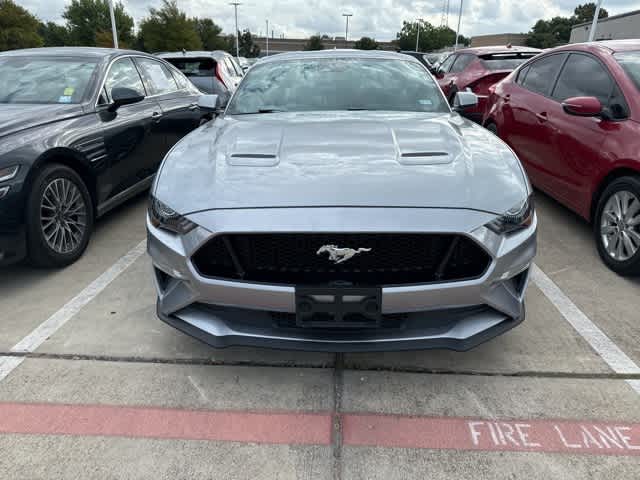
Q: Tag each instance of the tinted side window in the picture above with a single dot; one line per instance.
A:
(542, 74)
(461, 63)
(447, 63)
(583, 76)
(156, 76)
(181, 80)
(522, 74)
(123, 74)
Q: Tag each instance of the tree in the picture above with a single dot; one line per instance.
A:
(248, 48)
(314, 43)
(87, 18)
(366, 43)
(18, 27)
(53, 35)
(584, 13)
(431, 38)
(168, 29)
(209, 33)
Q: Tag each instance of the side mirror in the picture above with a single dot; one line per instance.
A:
(464, 100)
(123, 96)
(582, 106)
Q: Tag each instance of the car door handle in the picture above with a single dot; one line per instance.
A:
(507, 98)
(156, 116)
(542, 116)
(194, 106)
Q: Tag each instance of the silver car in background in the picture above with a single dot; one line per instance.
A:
(339, 204)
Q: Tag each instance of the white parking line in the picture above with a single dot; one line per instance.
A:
(38, 336)
(617, 360)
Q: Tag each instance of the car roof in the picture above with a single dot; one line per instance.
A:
(96, 52)
(603, 46)
(498, 49)
(215, 54)
(339, 53)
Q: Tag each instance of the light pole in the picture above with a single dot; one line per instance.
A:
(458, 30)
(346, 30)
(418, 36)
(267, 37)
(594, 24)
(114, 31)
(235, 6)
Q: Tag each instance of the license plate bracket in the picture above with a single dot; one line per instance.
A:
(338, 307)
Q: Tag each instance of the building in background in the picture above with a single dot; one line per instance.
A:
(617, 27)
(518, 39)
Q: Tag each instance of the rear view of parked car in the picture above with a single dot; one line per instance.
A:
(214, 72)
(478, 69)
(81, 130)
(573, 117)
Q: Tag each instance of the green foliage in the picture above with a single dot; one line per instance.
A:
(18, 27)
(431, 38)
(584, 13)
(88, 20)
(209, 33)
(314, 43)
(248, 48)
(366, 43)
(53, 35)
(557, 31)
(169, 29)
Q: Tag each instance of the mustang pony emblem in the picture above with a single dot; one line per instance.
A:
(339, 255)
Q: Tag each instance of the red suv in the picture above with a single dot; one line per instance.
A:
(573, 117)
(478, 69)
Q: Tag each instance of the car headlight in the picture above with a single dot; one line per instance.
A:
(514, 219)
(162, 216)
(8, 173)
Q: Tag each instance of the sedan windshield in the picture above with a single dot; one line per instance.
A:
(44, 80)
(322, 84)
(630, 61)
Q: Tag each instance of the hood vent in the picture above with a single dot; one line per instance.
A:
(253, 159)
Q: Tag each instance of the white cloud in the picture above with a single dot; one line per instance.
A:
(375, 18)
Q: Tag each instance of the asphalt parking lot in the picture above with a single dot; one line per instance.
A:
(93, 386)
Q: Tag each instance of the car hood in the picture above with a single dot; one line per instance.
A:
(341, 159)
(17, 117)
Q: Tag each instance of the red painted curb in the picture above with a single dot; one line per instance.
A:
(89, 420)
(561, 436)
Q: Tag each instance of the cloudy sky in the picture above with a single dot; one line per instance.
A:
(380, 19)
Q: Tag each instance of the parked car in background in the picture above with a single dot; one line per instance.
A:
(478, 69)
(81, 130)
(422, 58)
(573, 117)
(340, 204)
(214, 72)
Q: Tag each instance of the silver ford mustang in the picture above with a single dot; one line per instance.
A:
(339, 204)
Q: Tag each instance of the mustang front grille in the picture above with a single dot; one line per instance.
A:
(379, 258)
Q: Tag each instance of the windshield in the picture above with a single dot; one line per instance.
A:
(322, 84)
(44, 80)
(194, 67)
(506, 61)
(630, 61)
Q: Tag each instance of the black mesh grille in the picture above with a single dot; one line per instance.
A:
(291, 258)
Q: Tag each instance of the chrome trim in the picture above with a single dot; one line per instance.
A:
(125, 195)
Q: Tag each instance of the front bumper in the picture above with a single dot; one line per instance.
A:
(456, 315)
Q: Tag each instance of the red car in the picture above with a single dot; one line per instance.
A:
(573, 117)
(478, 69)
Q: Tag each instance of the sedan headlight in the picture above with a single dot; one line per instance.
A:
(514, 219)
(8, 173)
(162, 216)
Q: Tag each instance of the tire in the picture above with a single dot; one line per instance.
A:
(58, 202)
(493, 128)
(620, 249)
